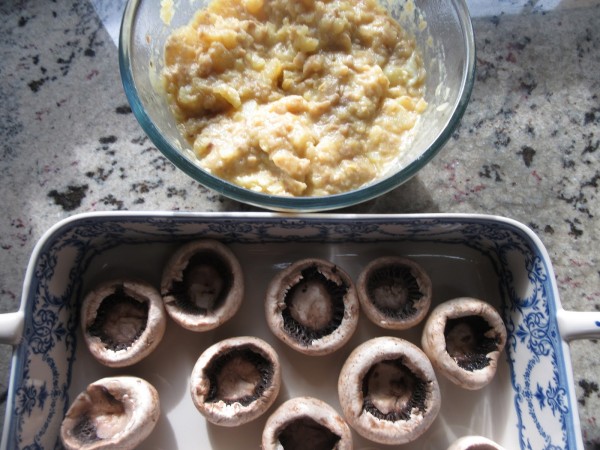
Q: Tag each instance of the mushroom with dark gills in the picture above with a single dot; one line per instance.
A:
(312, 306)
(464, 338)
(388, 391)
(112, 413)
(306, 423)
(235, 380)
(394, 292)
(122, 321)
(202, 285)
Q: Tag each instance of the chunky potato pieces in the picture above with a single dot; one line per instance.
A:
(295, 98)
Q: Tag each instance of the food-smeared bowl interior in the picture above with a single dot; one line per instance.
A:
(443, 35)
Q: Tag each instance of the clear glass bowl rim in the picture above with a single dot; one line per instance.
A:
(293, 204)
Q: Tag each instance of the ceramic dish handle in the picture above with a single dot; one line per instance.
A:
(11, 327)
(579, 325)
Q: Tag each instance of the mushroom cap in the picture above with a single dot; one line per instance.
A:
(310, 409)
(215, 257)
(393, 294)
(353, 378)
(232, 412)
(433, 341)
(112, 413)
(315, 308)
(474, 443)
(142, 345)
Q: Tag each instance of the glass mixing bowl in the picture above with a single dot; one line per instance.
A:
(444, 35)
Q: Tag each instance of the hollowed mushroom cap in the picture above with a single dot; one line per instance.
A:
(474, 443)
(394, 292)
(463, 338)
(312, 306)
(112, 413)
(122, 321)
(235, 380)
(388, 391)
(202, 285)
(306, 423)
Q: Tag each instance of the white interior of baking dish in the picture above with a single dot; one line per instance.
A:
(529, 404)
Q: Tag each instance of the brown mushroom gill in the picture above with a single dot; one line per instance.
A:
(392, 392)
(238, 376)
(467, 342)
(303, 431)
(388, 390)
(394, 291)
(306, 423)
(314, 306)
(205, 284)
(93, 426)
(120, 320)
(112, 413)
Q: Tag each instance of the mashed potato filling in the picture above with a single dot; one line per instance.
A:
(295, 98)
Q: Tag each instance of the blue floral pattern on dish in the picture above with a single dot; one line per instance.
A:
(541, 397)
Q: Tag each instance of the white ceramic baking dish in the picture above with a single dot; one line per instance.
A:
(530, 404)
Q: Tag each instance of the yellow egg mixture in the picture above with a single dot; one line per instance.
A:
(295, 98)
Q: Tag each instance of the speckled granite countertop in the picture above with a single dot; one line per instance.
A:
(528, 146)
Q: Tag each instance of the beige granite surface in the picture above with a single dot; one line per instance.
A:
(527, 148)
